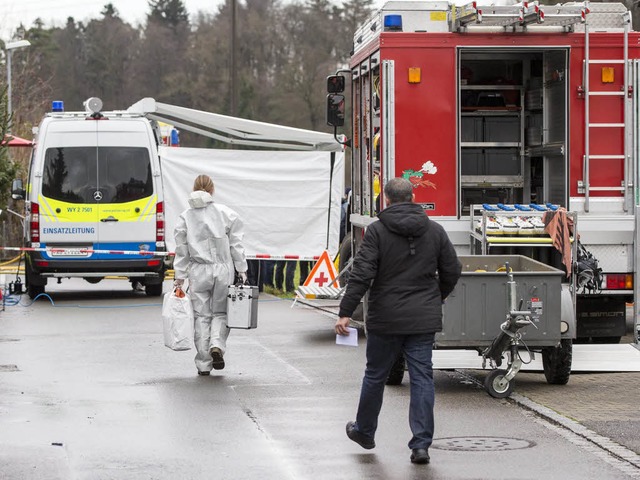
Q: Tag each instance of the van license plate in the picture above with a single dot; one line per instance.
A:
(69, 252)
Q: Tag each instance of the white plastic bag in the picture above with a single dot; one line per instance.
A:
(177, 318)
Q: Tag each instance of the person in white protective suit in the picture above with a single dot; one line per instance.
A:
(208, 252)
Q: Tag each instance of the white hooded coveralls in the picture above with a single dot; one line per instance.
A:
(208, 248)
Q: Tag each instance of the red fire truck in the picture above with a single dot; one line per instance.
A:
(497, 114)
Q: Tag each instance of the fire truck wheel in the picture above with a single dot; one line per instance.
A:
(497, 385)
(556, 362)
(397, 371)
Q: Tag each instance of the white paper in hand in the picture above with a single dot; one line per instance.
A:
(350, 340)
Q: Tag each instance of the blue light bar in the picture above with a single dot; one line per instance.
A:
(175, 138)
(57, 106)
(393, 23)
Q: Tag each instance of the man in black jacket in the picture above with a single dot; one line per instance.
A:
(409, 266)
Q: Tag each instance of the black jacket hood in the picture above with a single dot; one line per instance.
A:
(405, 219)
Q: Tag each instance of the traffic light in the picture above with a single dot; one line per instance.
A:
(335, 84)
(335, 110)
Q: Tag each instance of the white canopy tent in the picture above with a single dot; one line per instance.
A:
(289, 202)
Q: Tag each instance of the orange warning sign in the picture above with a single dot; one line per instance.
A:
(323, 273)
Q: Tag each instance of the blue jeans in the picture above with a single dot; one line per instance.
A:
(382, 352)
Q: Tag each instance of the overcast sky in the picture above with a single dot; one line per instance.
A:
(56, 12)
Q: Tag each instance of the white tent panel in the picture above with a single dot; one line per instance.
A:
(289, 201)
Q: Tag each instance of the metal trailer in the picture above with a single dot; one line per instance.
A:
(504, 305)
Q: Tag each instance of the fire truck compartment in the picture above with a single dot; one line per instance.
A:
(513, 119)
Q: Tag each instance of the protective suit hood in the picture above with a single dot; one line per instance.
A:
(199, 199)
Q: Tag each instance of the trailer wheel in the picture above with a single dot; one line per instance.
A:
(556, 362)
(497, 385)
(397, 371)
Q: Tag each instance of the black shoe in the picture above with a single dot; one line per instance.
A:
(203, 373)
(362, 440)
(218, 361)
(420, 455)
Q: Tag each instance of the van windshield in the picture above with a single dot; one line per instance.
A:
(76, 174)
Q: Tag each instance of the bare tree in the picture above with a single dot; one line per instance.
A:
(108, 59)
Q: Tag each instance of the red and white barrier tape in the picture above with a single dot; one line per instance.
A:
(81, 251)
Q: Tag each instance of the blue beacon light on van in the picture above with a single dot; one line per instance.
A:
(393, 23)
(57, 106)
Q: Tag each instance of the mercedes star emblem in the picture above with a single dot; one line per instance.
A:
(97, 195)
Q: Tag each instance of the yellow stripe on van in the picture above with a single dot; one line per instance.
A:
(58, 211)
(126, 212)
(68, 212)
(47, 213)
(147, 210)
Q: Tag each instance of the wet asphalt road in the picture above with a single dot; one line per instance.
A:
(88, 391)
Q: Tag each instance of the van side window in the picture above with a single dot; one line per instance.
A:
(75, 174)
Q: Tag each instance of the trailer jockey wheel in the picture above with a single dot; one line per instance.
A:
(497, 385)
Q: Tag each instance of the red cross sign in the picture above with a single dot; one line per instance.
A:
(323, 273)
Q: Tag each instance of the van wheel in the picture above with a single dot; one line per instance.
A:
(153, 289)
(34, 290)
(35, 283)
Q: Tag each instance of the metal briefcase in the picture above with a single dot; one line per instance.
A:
(242, 306)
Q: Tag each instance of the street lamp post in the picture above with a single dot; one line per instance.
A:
(10, 47)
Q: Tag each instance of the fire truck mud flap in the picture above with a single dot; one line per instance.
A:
(601, 318)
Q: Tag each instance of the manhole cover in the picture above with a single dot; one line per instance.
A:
(481, 444)
(9, 368)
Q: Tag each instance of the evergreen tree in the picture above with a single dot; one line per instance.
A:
(109, 11)
(171, 13)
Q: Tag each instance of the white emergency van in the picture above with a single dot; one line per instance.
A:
(93, 199)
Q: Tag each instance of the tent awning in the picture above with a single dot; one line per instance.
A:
(13, 141)
(234, 130)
